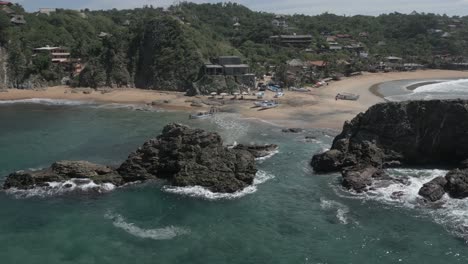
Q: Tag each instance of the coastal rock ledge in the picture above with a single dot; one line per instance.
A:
(181, 155)
(403, 134)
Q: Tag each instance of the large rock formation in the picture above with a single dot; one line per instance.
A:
(188, 157)
(63, 171)
(183, 156)
(412, 133)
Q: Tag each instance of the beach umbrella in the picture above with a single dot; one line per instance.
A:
(214, 93)
(236, 93)
(224, 94)
(245, 93)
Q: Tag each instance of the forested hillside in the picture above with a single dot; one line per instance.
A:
(153, 48)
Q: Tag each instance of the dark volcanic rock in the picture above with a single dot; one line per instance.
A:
(395, 134)
(62, 171)
(189, 157)
(359, 179)
(457, 183)
(257, 150)
(434, 190)
(412, 133)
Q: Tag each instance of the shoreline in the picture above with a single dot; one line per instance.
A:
(315, 109)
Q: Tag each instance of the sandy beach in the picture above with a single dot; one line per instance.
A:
(315, 109)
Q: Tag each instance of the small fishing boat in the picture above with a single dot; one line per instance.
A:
(260, 103)
(201, 115)
(269, 105)
(279, 94)
(347, 96)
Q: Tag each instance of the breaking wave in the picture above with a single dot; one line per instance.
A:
(448, 212)
(201, 192)
(232, 128)
(165, 233)
(261, 159)
(456, 89)
(47, 102)
(58, 188)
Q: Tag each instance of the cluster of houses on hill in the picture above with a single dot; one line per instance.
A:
(61, 56)
(230, 66)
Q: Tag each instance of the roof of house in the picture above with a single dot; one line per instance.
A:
(236, 66)
(5, 3)
(393, 58)
(295, 63)
(213, 66)
(48, 48)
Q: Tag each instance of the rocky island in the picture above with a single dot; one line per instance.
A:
(181, 155)
(404, 134)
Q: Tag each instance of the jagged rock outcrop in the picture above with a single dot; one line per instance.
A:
(457, 183)
(258, 151)
(63, 171)
(181, 155)
(395, 134)
(188, 157)
(434, 190)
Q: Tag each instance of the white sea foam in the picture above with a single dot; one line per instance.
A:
(261, 159)
(449, 212)
(165, 233)
(340, 209)
(201, 192)
(455, 89)
(232, 127)
(457, 86)
(58, 188)
(45, 101)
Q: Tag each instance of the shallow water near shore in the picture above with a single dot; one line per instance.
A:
(291, 215)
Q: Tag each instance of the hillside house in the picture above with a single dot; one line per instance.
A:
(5, 3)
(279, 22)
(47, 11)
(7, 10)
(295, 40)
(57, 54)
(18, 20)
(227, 65)
(295, 66)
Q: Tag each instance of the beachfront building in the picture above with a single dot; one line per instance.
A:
(57, 54)
(227, 65)
(292, 40)
(231, 66)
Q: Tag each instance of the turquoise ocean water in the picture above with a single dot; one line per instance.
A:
(291, 215)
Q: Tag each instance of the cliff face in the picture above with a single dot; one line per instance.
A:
(407, 133)
(416, 133)
(3, 68)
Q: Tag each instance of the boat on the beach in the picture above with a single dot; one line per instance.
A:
(279, 94)
(302, 90)
(347, 96)
(269, 105)
(260, 103)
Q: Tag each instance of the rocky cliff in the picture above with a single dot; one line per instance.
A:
(414, 133)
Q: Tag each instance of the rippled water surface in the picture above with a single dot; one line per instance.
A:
(290, 215)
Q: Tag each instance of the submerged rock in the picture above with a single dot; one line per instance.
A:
(395, 134)
(359, 179)
(189, 157)
(293, 130)
(63, 171)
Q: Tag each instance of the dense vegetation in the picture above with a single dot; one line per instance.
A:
(164, 49)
